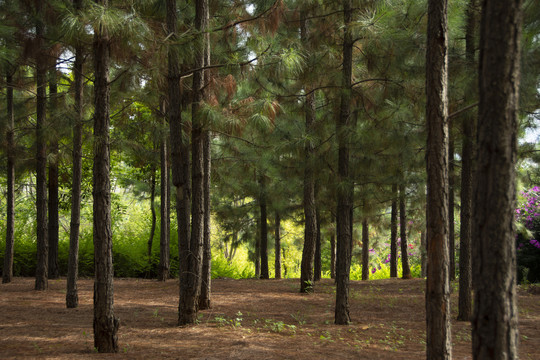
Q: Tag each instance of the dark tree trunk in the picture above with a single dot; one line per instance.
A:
(7, 272)
(365, 250)
(264, 230)
(495, 332)
(332, 256)
(72, 295)
(393, 233)
(41, 157)
(206, 285)
(105, 323)
(164, 238)
(258, 246)
(318, 261)
(277, 247)
(467, 156)
(153, 212)
(437, 286)
(310, 213)
(345, 188)
(406, 270)
(451, 204)
(53, 204)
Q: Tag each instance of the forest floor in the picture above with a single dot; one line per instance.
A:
(249, 319)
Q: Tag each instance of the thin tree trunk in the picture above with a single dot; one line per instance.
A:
(277, 246)
(164, 238)
(365, 250)
(451, 203)
(310, 214)
(406, 270)
(53, 204)
(153, 212)
(7, 272)
(72, 295)
(345, 190)
(495, 319)
(105, 323)
(332, 256)
(258, 246)
(264, 230)
(439, 345)
(206, 285)
(393, 232)
(467, 156)
(41, 157)
(318, 261)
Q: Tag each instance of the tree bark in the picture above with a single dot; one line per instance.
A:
(345, 188)
(153, 213)
(393, 232)
(405, 268)
(258, 246)
(277, 247)
(264, 230)
(495, 318)
(53, 204)
(437, 285)
(164, 238)
(7, 272)
(105, 323)
(41, 156)
(332, 256)
(72, 295)
(206, 285)
(310, 214)
(451, 203)
(318, 261)
(467, 158)
(365, 250)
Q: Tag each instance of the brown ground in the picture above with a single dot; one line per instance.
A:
(250, 319)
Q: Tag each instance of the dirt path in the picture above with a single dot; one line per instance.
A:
(250, 319)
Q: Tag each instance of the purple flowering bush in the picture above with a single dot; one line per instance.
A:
(528, 238)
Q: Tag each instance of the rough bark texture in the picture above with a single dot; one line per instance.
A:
(437, 286)
(206, 285)
(310, 213)
(264, 230)
(495, 333)
(451, 203)
(317, 266)
(277, 247)
(467, 156)
(405, 268)
(164, 238)
(72, 296)
(345, 187)
(41, 157)
(153, 215)
(365, 250)
(7, 272)
(393, 232)
(332, 256)
(105, 323)
(53, 203)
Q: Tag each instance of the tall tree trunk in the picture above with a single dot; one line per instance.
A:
(495, 332)
(393, 232)
(310, 214)
(318, 261)
(264, 230)
(406, 269)
(164, 238)
(53, 204)
(41, 156)
(258, 246)
(332, 256)
(439, 345)
(206, 285)
(153, 212)
(451, 203)
(105, 323)
(277, 246)
(467, 156)
(345, 188)
(7, 272)
(179, 161)
(365, 250)
(72, 295)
